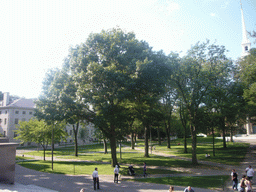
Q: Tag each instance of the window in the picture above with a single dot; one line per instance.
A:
(5, 121)
(30, 112)
(70, 132)
(0, 112)
(16, 121)
(4, 133)
(246, 48)
(16, 112)
(5, 112)
(23, 119)
(15, 134)
(0, 121)
(23, 112)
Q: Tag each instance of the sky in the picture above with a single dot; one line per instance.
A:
(36, 35)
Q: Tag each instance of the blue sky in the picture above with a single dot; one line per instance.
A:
(36, 35)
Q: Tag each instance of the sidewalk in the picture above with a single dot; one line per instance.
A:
(69, 183)
(26, 179)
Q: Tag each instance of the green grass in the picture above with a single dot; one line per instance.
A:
(199, 181)
(204, 145)
(129, 156)
(83, 168)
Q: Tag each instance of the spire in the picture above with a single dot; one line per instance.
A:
(246, 44)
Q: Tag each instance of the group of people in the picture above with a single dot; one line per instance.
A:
(245, 184)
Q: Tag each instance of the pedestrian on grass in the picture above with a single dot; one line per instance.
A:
(248, 185)
(145, 169)
(249, 172)
(116, 172)
(95, 177)
(171, 189)
(234, 177)
(189, 189)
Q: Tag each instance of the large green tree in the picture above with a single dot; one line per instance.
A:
(193, 75)
(105, 68)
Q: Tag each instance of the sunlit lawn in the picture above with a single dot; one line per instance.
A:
(129, 156)
(84, 168)
(204, 145)
(200, 181)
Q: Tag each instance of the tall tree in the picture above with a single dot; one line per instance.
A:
(104, 68)
(193, 75)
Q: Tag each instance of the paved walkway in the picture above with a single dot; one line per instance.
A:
(28, 180)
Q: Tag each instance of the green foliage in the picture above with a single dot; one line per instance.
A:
(40, 132)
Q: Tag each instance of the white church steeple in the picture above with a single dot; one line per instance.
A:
(246, 44)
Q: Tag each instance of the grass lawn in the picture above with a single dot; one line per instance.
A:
(82, 168)
(129, 156)
(204, 145)
(200, 181)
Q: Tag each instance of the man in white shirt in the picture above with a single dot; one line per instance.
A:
(95, 177)
(249, 172)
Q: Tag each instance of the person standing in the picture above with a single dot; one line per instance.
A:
(95, 177)
(234, 179)
(249, 172)
(116, 172)
(189, 189)
(145, 169)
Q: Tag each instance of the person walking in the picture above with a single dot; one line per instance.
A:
(189, 189)
(95, 177)
(248, 185)
(116, 172)
(234, 179)
(249, 172)
(145, 169)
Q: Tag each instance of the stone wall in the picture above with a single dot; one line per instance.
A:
(7, 162)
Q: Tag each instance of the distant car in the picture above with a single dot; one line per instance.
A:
(201, 135)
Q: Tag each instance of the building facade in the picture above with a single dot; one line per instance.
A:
(11, 112)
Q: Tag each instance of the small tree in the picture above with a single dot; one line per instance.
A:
(39, 132)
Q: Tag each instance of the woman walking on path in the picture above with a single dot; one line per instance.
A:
(234, 179)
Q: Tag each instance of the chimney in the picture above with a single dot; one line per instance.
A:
(6, 99)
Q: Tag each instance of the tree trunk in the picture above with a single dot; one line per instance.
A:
(75, 130)
(213, 147)
(105, 146)
(223, 132)
(132, 140)
(158, 134)
(193, 133)
(112, 140)
(185, 144)
(146, 141)
(231, 134)
(44, 152)
(167, 133)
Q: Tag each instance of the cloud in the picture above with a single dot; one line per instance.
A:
(213, 14)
